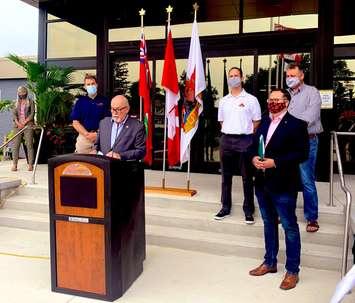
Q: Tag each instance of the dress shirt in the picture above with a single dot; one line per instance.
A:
(238, 113)
(116, 130)
(273, 125)
(305, 104)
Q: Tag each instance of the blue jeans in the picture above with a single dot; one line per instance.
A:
(280, 205)
(308, 178)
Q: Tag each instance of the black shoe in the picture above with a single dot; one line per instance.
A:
(249, 219)
(222, 214)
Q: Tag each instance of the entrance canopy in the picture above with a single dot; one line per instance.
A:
(90, 15)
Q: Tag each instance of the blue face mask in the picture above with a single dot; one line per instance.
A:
(292, 82)
(234, 82)
(91, 89)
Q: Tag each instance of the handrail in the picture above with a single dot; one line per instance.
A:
(37, 156)
(334, 142)
(13, 137)
(38, 149)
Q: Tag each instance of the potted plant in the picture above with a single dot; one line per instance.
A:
(51, 87)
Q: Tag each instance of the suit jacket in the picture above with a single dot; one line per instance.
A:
(29, 112)
(130, 143)
(288, 146)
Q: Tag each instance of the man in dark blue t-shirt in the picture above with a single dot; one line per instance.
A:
(86, 115)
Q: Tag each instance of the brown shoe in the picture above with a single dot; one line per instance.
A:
(262, 270)
(30, 167)
(14, 168)
(289, 281)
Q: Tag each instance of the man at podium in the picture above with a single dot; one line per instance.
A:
(121, 136)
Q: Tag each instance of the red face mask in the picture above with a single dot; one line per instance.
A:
(276, 107)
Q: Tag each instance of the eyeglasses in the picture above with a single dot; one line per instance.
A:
(22, 96)
(117, 109)
(277, 100)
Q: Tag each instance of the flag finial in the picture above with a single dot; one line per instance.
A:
(195, 7)
(142, 14)
(169, 10)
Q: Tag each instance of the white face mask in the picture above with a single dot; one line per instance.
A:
(292, 82)
(91, 89)
(234, 82)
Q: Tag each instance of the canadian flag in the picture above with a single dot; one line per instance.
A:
(195, 84)
(172, 95)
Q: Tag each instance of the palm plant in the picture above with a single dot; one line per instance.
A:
(50, 86)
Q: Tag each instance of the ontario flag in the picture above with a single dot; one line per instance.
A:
(195, 84)
(172, 95)
(145, 84)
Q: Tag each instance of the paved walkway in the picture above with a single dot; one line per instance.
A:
(169, 276)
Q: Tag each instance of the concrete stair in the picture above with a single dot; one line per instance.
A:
(188, 224)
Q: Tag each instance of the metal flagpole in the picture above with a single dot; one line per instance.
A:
(282, 72)
(169, 9)
(188, 169)
(270, 60)
(141, 13)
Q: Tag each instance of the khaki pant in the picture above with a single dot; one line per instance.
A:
(28, 135)
(83, 145)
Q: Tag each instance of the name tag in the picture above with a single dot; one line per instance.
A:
(78, 219)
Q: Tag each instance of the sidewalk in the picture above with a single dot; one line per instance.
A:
(170, 275)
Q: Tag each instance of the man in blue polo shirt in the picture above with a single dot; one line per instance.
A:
(86, 115)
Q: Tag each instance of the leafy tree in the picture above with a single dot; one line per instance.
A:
(120, 75)
(50, 86)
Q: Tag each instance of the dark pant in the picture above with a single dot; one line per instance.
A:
(280, 205)
(234, 156)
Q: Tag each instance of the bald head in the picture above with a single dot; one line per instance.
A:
(119, 108)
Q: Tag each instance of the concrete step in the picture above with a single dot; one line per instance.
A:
(31, 203)
(24, 219)
(328, 234)
(313, 255)
(34, 190)
(332, 215)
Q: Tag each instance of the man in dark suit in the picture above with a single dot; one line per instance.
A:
(120, 136)
(277, 181)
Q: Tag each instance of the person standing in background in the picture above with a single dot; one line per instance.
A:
(23, 115)
(276, 184)
(239, 114)
(86, 115)
(305, 105)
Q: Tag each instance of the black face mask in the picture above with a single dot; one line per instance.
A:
(22, 97)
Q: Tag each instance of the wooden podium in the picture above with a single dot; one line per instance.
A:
(97, 225)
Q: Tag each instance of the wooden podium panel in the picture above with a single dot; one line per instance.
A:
(81, 256)
(77, 170)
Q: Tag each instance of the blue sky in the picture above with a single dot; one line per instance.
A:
(18, 28)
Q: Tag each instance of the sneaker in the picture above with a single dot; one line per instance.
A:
(249, 219)
(222, 214)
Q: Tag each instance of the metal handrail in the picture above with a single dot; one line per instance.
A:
(38, 149)
(13, 137)
(334, 142)
(37, 155)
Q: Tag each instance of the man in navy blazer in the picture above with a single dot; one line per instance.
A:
(277, 181)
(120, 136)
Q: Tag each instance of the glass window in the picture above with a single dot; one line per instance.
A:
(133, 33)
(262, 16)
(344, 39)
(68, 41)
(78, 75)
(52, 17)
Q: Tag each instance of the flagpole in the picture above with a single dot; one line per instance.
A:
(141, 13)
(169, 9)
